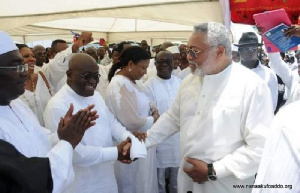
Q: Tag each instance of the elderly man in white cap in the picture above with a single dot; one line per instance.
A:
(162, 89)
(19, 126)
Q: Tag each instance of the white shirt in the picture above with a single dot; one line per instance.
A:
(20, 127)
(223, 119)
(280, 163)
(95, 155)
(162, 93)
(271, 80)
(184, 73)
(106, 60)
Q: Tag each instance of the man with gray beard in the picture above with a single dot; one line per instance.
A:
(222, 111)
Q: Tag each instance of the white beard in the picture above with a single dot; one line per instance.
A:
(208, 66)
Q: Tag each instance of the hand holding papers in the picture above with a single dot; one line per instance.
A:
(269, 20)
(277, 37)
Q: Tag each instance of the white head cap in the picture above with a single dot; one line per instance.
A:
(6, 43)
(234, 48)
(173, 49)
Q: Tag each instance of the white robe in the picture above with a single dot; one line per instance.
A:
(271, 80)
(95, 155)
(162, 93)
(131, 107)
(280, 162)
(32, 140)
(223, 119)
(38, 99)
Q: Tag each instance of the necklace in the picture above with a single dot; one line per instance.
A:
(18, 118)
(32, 105)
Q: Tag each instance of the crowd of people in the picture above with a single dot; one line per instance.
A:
(192, 118)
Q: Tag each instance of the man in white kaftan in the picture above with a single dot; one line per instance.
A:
(94, 157)
(280, 163)
(161, 91)
(222, 111)
(248, 50)
(20, 127)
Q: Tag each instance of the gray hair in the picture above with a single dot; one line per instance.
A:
(217, 34)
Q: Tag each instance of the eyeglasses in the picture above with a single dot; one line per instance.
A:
(19, 68)
(162, 62)
(247, 49)
(192, 52)
(88, 76)
(40, 53)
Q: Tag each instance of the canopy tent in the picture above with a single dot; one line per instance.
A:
(116, 20)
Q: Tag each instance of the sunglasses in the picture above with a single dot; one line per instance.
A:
(19, 68)
(162, 62)
(88, 76)
(247, 49)
(192, 52)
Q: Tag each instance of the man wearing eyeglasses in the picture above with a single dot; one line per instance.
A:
(95, 156)
(19, 127)
(248, 49)
(222, 111)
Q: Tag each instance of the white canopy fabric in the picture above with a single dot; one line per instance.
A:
(114, 20)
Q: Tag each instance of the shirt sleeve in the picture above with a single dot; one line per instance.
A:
(56, 68)
(283, 71)
(125, 108)
(255, 124)
(60, 157)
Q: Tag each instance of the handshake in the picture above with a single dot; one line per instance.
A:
(125, 148)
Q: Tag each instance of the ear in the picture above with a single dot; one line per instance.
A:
(130, 64)
(220, 51)
(68, 73)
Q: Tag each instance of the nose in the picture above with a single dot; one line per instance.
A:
(189, 56)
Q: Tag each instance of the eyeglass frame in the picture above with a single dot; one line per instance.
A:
(19, 68)
(167, 61)
(89, 73)
(248, 48)
(194, 53)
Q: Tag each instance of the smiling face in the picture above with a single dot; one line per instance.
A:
(83, 74)
(28, 58)
(12, 83)
(164, 64)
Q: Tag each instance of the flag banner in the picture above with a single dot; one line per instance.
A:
(242, 11)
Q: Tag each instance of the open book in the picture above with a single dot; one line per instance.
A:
(276, 37)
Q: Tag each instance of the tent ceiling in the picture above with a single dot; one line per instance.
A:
(136, 20)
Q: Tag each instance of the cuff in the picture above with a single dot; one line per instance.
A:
(110, 153)
(125, 135)
(221, 170)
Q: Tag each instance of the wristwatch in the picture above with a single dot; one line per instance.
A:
(211, 174)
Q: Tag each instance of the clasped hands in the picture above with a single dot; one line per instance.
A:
(124, 147)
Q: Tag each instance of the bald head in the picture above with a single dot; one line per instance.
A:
(92, 52)
(83, 75)
(165, 45)
(81, 61)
